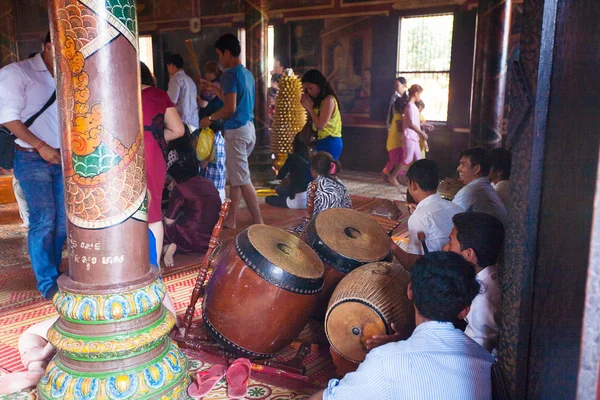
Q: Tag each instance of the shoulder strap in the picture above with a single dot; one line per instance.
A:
(32, 119)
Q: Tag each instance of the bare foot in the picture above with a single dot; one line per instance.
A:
(393, 181)
(18, 381)
(169, 253)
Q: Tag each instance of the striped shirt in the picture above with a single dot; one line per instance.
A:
(215, 171)
(436, 362)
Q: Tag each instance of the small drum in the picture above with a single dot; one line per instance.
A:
(344, 239)
(365, 303)
(262, 291)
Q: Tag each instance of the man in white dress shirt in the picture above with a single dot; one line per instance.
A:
(432, 216)
(437, 361)
(26, 87)
(479, 238)
(500, 165)
(183, 92)
(478, 194)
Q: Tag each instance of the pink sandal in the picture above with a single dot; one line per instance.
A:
(206, 381)
(237, 378)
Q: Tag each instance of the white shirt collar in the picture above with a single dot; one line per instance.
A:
(477, 181)
(429, 199)
(38, 64)
(486, 272)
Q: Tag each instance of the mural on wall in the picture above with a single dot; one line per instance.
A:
(223, 7)
(165, 10)
(305, 44)
(291, 4)
(346, 62)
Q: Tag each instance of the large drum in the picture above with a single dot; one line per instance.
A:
(344, 239)
(365, 303)
(262, 291)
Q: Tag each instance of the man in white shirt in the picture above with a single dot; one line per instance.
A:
(183, 92)
(26, 87)
(400, 91)
(478, 194)
(432, 216)
(437, 361)
(479, 238)
(500, 165)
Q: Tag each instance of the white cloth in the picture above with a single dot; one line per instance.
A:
(436, 362)
(484, 317)
(182, 91)
(26, 86)
(479, 195)
(21, 202)
(502, 189)
(433, 217)
(298, 202)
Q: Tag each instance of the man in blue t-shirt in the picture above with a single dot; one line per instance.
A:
(237, 92)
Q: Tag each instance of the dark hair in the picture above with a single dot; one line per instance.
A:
(400, 104)
(275, 78)
(414, 89)
(424, 173)
(402, 80)
(229, 42)
(146, 76)
(478, 156)
(420, 104)
(184, 146)
(32, 55)
(481, 232)
(501, 160)
(321, 163)
(443, 284)
(176, 60)
(299, 147)
(47, 39)
(182, 171)
(316, 77)
(212, 67)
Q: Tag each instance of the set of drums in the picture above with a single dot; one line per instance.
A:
(268, 283)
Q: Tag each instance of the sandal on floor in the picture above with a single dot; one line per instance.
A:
(206, 381)
(237, 378)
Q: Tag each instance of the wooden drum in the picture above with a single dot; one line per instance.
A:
(262, 292)
(344, 239)
(365, 303)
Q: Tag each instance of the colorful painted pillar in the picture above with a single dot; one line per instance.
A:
(256, 21)
(8, 33)
(112, 332)
(489, 80)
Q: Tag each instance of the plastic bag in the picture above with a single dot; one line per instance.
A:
(205, 145)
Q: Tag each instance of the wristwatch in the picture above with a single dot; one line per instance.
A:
(210, 117)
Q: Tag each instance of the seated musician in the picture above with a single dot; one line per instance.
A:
(437, 361)
(331, 192)
(478, 194)
(432, 216)
(479, 238)
(500, 165)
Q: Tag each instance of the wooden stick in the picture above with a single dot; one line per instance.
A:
(310, 208)
(192, 53)
(199, 287)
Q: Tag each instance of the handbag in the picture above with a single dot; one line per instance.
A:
(7, 139)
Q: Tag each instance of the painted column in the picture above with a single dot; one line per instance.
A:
(489, 79)
(256, 21)
(112, 333)
(8, 32)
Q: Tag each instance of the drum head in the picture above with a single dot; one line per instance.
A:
(349, 325)
(286, 251)
(352, 234)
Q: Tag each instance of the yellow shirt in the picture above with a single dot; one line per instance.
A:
(395, 137)
(334, 125)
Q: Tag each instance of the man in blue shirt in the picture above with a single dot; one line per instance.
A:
(237, 92)
(437, 361)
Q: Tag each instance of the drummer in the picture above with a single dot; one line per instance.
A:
(432, 215)
(437, 361)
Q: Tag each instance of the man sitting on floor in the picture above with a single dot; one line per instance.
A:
(437, 361)
(479, 238)
(478, 194)
(432, 216)
(500, 164)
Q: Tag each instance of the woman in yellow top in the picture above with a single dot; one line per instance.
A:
(322, 106)
(395, 143)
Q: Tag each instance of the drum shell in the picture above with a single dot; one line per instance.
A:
(377, 291)
(247, 314)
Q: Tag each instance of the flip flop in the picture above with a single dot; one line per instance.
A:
(206, 381)
(237, 378)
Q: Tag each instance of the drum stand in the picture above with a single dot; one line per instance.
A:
(195, 337)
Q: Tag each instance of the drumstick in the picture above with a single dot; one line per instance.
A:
(199, 287)
(192, 53)
(421, 237)
(310, 208)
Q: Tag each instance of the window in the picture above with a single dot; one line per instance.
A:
(271, 48)
(242, 39)
(424, 51)
(145, 51)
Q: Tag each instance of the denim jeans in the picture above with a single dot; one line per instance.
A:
(42, 185)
